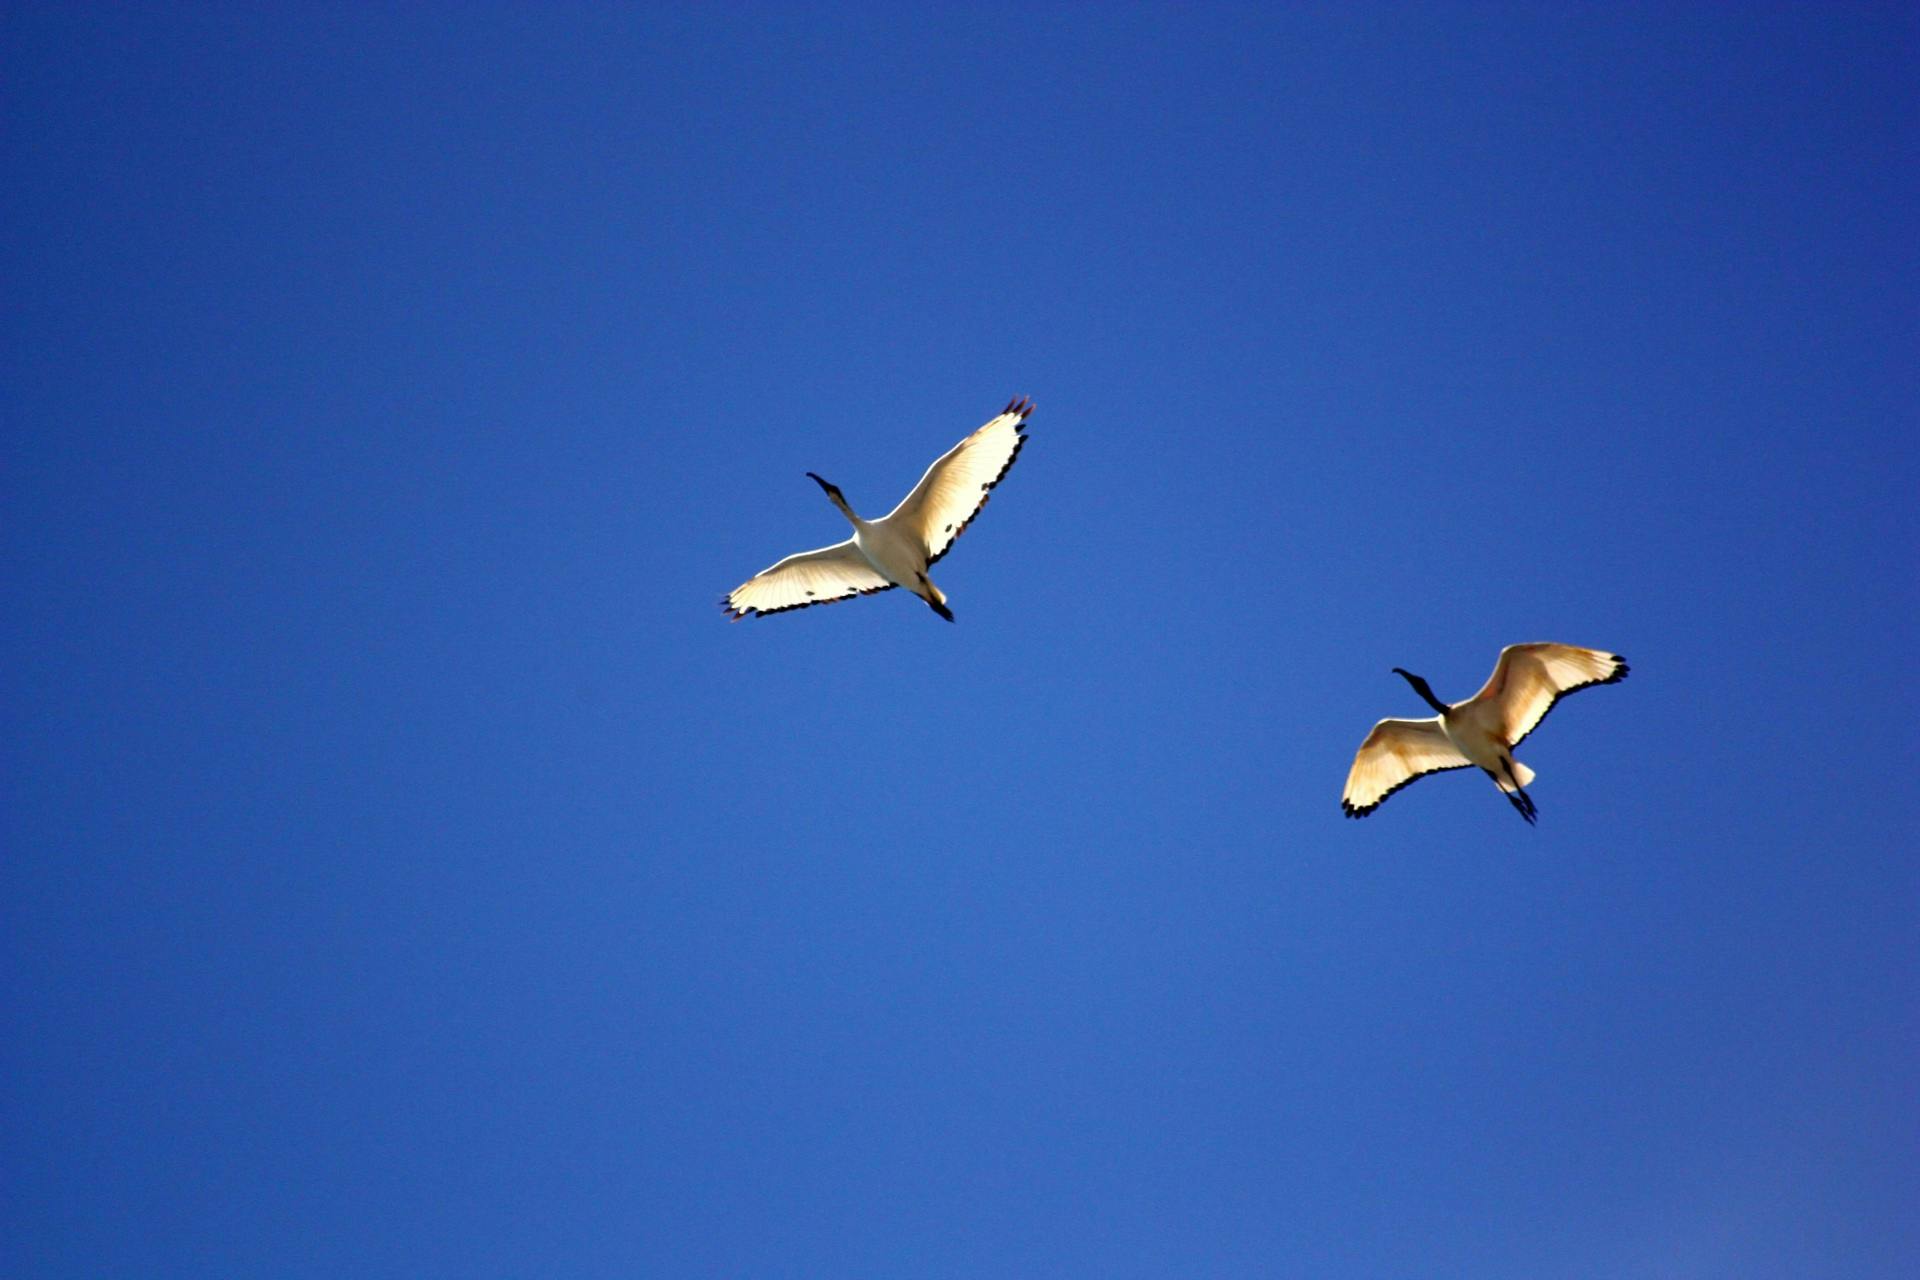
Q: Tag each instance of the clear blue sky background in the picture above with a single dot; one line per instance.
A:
(408, 872)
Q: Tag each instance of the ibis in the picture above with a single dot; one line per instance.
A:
(1480, 732)
(897, 549)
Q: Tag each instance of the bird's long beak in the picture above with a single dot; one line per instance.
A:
(822, 483)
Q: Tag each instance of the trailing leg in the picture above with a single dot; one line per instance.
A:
(1516, 795)
(1521, 800)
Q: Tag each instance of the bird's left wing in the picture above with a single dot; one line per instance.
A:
(1530, 678)
(954, 489)
(838, 572)
(1394, 754)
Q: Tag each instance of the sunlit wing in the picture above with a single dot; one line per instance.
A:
(1394, 754)
(1530, 678)
(954, 489)
(838, 572)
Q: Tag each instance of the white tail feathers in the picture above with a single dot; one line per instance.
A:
(1521, 775)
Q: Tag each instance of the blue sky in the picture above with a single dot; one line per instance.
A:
(409, 872)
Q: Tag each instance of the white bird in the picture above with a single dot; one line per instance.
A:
(1482, 731)
(897, 549)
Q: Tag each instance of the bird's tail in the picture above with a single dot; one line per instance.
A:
(936, 598)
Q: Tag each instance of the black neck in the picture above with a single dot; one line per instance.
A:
(1421, 687)
(833, 495)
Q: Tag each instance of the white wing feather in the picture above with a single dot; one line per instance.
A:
(955, 487)
(1530, 678)
(838, 572)
(1394, 754)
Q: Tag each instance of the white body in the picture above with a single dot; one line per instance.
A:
(895, 554)
(1477, 731)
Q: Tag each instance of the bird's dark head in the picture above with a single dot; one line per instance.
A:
(1408, 676)
(833, 495)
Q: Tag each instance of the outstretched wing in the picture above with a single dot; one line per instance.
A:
(954, 489)
(1530, 678)
(838, 572)
(1394, 754)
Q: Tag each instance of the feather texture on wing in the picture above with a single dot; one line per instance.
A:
(1530, 678)
(838, 572)
(956, 486)
(1394, 754)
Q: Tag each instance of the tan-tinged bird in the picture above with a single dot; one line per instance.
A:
(1480, 732)
(897, 549)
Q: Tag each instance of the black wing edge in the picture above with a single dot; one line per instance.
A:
(1353, 811)
(1618, 674)
(734, 615)
(1023, 406)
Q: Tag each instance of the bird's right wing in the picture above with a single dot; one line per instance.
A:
(1394, 754)
(955, 487)
(1530, 678)
(838, 572)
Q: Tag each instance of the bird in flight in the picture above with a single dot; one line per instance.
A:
(897, 549)
(1482, 731)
